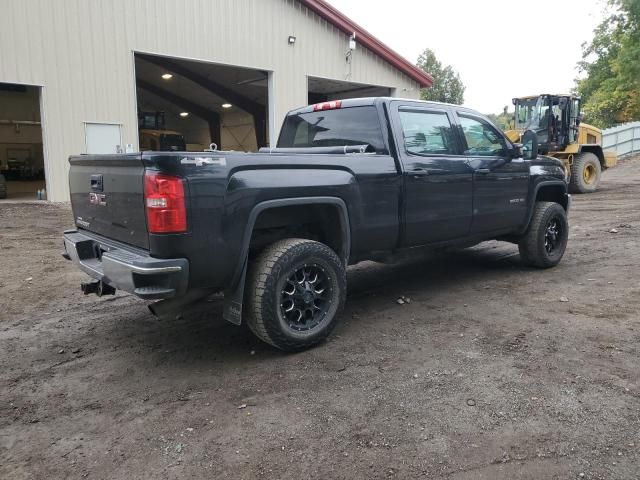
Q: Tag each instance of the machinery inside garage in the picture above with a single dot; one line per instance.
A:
(323, 90)
(21, 152)
(185, 104)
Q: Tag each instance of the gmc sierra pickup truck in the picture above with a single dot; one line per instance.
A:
(349, 180)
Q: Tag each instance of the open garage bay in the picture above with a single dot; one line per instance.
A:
(490, 371)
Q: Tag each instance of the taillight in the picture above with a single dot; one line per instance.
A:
(165, 203)
(327, 105)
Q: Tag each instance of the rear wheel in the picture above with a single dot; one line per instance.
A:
(545, 241)
(585, 173)
(295, 291)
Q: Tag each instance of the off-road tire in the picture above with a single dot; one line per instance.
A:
(586, 173)
(267, 276)
(3, 187)
(532, 245)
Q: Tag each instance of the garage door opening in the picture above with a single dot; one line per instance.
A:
(323, 90)
(21, 152)
(188, 105)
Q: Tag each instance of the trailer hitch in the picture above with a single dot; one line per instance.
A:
(98, 287)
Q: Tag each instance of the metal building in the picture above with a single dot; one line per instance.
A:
(91, 76)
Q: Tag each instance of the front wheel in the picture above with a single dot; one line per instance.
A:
(545, 241)
(295, 290)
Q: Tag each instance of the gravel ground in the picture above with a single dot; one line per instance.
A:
(485, 374)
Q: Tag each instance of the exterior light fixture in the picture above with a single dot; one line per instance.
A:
(167, 76)
(184, 114)
(352, 41)
(291, 40)
(226, 105)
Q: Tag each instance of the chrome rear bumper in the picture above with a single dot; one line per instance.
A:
(126, 268)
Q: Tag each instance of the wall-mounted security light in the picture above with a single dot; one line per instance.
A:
(291, 40)
(349, 54)
(184, 114)
(352, 41)
(167, 76)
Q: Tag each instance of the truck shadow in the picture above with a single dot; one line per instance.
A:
(203, 336)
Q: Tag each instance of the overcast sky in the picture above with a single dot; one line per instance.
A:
(502, 49)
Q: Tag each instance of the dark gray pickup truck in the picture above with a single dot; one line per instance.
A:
(349, 181)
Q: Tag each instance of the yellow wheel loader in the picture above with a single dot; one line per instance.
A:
(552, 124)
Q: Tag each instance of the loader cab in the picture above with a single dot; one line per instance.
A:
(553, 118)
(154, 136)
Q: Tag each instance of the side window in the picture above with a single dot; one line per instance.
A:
(482, 139)
(427, 133)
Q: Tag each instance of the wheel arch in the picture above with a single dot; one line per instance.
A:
(596, 150)
(548, 191)
(340, 241)
(552, 192)
(339, 236)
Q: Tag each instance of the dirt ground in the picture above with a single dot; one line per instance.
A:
(485, 374)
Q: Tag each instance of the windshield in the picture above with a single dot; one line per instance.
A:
(333, 128)
(529, 111)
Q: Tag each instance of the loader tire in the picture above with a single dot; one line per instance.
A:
(585, 173)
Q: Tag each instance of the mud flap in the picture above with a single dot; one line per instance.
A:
(233, 299)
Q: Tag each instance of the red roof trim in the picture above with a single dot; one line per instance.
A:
(364, 38)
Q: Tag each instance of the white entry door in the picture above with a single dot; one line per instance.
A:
(103, 138)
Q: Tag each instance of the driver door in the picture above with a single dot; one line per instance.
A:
(500, 183)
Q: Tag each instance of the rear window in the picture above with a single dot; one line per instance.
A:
(333, 128)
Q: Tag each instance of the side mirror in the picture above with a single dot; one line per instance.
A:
(516, 151)
(529, 145)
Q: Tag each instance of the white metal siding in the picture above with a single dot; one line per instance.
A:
(81, 53)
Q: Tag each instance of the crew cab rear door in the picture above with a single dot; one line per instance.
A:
(500, 183)
(437, 178)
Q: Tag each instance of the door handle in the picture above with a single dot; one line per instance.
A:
(483, 171)
(419, 172)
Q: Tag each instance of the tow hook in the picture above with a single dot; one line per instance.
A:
(98, 287)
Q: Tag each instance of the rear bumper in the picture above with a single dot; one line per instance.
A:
(127, 269)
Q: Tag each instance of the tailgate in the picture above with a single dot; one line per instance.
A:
(107, 196)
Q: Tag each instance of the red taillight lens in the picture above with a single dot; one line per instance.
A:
(165, 203)
(327, 105)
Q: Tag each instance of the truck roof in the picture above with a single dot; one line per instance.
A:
(367, 101)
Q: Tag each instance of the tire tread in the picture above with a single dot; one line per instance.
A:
(261, 279)
(575, 182)
(529, 246)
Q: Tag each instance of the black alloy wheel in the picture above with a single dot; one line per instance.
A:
(306, 297)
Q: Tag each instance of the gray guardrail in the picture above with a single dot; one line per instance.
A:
(623, 139)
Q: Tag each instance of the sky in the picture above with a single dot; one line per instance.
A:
(501, 49)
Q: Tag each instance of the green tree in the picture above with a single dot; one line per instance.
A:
(503, 120)
(610, 89)
(447, 85)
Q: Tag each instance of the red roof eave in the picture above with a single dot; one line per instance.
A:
(364, 38)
